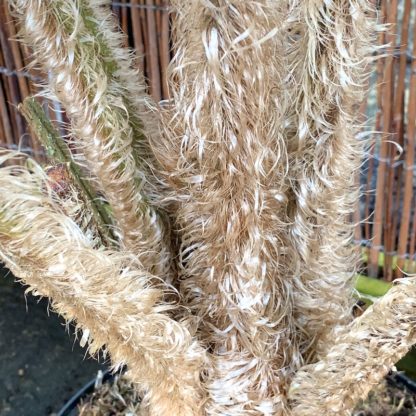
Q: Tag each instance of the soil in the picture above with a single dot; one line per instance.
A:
(391, 398)
(41, 364)
(115, 398)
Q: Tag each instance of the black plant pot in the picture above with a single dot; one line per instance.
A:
(403, 380)
(70, 407)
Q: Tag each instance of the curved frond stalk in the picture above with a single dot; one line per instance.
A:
(225, 159)
(72, 203)
(67, 45)
(360, 357)
(116, 304)
(59, 153)
(144, 114)
(328, 51)
(145, 117)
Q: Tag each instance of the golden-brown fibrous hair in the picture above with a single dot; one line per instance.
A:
(144, 113)
(257, 160)
(71, 200)
(225, 158)
(68, 41)
(360, 357)
(327, 53)
(116, 304)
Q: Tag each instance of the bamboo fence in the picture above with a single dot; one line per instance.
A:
(387, 232)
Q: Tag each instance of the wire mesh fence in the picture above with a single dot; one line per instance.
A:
(389, 176)
(386, 211)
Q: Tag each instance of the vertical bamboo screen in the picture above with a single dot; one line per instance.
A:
(388, 236)
(389, 177)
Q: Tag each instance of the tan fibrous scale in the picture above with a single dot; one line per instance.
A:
(239, 191)
(328, 51)
(73, 41)
(225, 158)
(116, 304)
(360, 357)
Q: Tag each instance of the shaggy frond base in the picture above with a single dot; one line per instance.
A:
(360, 357)
(116, 305)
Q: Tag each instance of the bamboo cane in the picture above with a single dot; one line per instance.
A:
(5, 119)
(13, 86)
(124, 22)
(155, 87)
(384, 146)
(372, 268)
(165, 50)
(409, 163)
(411, 267)
(18, 65)
(399, 119)
(137, 34)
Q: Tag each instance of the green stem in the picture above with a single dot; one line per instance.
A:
(58, 152)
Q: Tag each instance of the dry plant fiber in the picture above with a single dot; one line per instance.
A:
(69, 41)
(360, 357)
(225, 159)
(118, 306)
(327, 53)
(257, 158)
